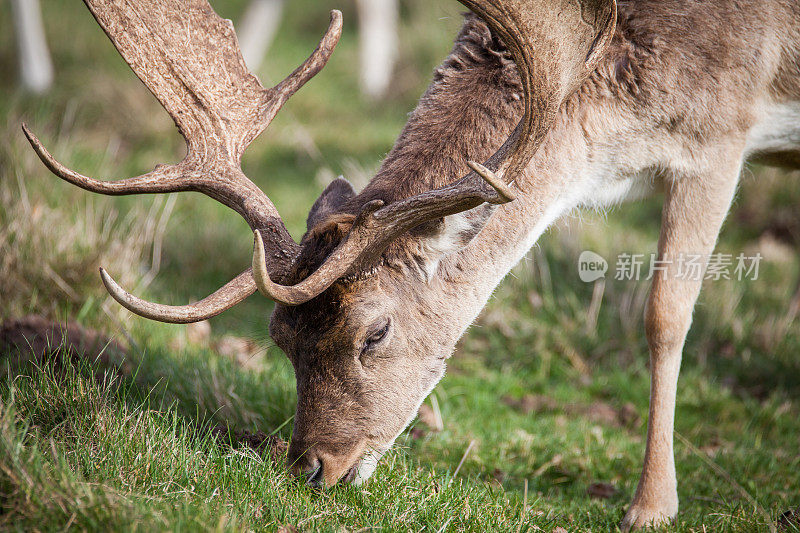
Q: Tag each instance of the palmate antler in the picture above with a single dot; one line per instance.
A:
(190, 60)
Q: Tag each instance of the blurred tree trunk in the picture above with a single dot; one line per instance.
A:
(377, 25)
(35, 67)
(258, 28)
(377, 21)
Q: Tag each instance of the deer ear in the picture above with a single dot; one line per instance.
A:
(331, 199)
(449, 235)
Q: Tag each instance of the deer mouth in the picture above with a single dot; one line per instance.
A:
(363, 469)
(350, 475)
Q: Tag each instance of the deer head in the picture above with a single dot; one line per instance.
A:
(362, 309)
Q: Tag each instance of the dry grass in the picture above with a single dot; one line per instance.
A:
(53, 237)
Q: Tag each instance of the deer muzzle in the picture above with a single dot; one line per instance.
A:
(323, 467)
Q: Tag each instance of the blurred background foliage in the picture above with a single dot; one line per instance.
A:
(544, 333)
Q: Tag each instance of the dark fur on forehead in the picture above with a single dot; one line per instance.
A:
(318, 243)
(316, 246)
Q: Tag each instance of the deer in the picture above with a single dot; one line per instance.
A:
(541, 107)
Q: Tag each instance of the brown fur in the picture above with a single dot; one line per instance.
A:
(679, 90)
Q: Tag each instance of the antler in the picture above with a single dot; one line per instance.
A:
(189, 58)
(552, 65)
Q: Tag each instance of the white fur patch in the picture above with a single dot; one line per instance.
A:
(778, 129)
(449, 239)
(368, 465)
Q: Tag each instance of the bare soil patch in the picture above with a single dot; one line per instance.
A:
(36, 338)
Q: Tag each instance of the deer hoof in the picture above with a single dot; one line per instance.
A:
(647, 516)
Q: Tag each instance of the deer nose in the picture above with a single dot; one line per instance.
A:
(312, 470)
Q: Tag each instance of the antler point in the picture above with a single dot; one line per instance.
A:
(504, 192)
(29, 134)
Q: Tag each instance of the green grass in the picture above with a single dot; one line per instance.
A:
(551, 396)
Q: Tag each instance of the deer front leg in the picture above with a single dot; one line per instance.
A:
(694, 209)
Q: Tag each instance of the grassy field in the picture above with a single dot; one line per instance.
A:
(545, 402)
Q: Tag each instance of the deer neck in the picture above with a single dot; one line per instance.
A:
(472, 105)
(467, 115)
(549, 188)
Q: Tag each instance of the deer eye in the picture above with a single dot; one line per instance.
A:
(377, 336)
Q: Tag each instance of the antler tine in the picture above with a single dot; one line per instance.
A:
(281, 93)
(164, 179)
(232, 293)
(315, 62)
(551, 69)
(526, 29)
(189, 58)
(236, 192)
(348, 252)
